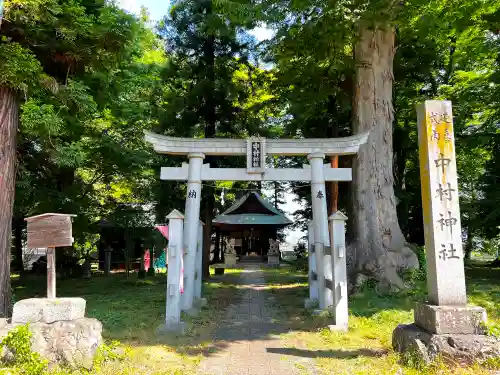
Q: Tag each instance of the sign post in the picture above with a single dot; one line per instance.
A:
(50, 231)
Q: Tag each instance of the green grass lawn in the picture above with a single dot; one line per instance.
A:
(366, 348)
(131, 310)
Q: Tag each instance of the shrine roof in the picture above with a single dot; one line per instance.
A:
(252, 209)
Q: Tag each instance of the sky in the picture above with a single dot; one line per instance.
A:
(159, 8)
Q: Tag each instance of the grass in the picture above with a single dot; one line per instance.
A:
(367, 347)
(131, 310)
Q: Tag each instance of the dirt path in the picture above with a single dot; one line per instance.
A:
(247, 340)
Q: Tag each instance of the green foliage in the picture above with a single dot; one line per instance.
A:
(492, 329)
(419, 274)
(112, 352)
(85, 245)
(18, 65)
(18, 342)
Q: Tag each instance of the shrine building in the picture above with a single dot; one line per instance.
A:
(252, 221)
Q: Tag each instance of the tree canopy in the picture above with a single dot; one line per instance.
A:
(88, 78)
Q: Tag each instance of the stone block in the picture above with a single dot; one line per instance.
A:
(230, 260)
(198, 303)
(172, 329)
(192, 312)
(311, 303)
(413, 341)
(450, 319)
(45, 310)
(405, 335)
(70, 343)
(273, 261)
(338, 328)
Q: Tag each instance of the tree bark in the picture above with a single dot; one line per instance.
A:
(8, 131)
(210, 118)
(379, 249)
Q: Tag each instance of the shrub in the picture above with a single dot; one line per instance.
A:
(18, 342)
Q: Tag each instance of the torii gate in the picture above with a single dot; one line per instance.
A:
(324, 285)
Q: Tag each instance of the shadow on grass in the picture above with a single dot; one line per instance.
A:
(131, 310)
(338, 354)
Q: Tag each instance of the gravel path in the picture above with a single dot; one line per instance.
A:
(247, 340)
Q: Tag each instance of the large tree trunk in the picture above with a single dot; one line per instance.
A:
(210, 116)
(378, 248)
(8, 131)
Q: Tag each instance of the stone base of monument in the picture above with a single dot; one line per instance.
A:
(311, 303)
(198, 303)
(60, 332)
(337, 328)
(448, 331)
(230, 260)
(273, 261)
(172, 328)
(192, 312)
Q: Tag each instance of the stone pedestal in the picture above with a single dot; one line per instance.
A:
(230, 259)
(178, 328)
(273, 260)
(60, 332)
(421, 345)
(48, 310)
(450, 319)
(451, 331)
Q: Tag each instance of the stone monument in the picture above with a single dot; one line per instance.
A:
(230, 253)
(444, 324)
(273, 255)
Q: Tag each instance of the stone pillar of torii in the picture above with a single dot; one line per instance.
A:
(327, 276)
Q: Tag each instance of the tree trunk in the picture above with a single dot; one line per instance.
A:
(8, 131)
(210, 116)
(207, 233)
(469, 245)
(379, 248)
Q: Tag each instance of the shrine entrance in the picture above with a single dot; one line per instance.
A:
(327, 264)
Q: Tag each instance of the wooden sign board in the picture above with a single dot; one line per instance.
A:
(49, 230)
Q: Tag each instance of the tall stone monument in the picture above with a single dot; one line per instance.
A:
(444, 324)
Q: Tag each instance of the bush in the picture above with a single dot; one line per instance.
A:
(108, 353)
(420, 274)
(18, 342)
(300, 250)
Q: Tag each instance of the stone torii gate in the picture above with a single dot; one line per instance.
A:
(326, 282)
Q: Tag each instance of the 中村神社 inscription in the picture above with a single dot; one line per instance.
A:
(438, 172)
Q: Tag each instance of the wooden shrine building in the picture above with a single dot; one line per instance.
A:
(251, 222)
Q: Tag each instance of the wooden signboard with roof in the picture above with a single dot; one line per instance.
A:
(50, 231)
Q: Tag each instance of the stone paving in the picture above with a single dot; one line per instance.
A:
(247, 340)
